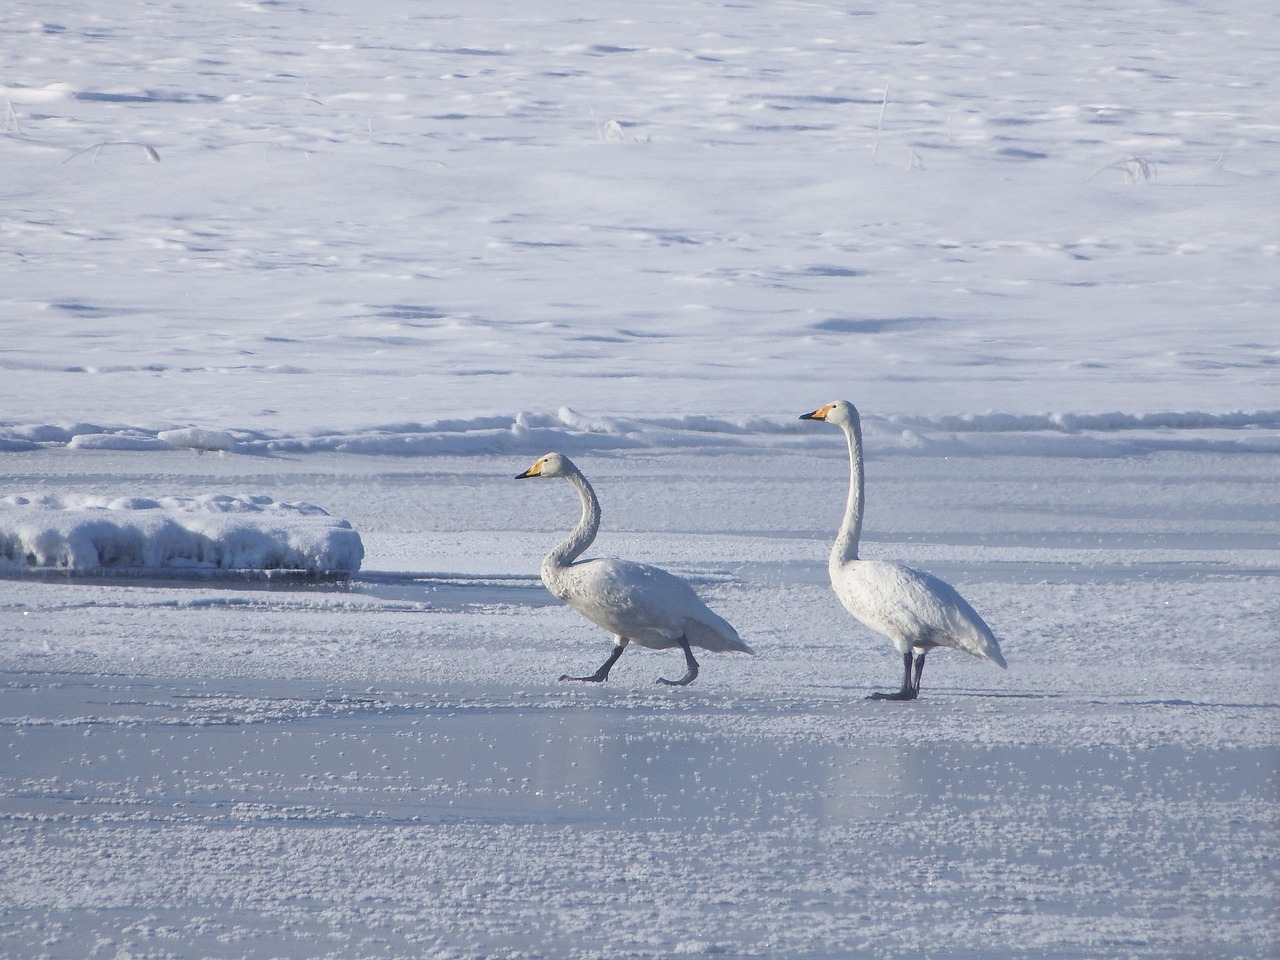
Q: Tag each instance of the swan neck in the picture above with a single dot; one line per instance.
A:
(846, 545)
(584, 533)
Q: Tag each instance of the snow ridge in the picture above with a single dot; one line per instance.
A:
(993, 433)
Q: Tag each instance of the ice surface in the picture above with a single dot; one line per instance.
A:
(388, 768)
(378, 256)
(545, 821)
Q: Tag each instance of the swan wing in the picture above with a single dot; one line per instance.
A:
(913, 608)
(707, 629)
(645, 604)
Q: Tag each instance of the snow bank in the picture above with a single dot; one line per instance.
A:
(213, 534)
(567, 430)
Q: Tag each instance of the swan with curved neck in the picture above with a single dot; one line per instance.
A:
(915, 610)
(635, 602)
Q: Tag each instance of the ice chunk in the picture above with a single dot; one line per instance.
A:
(205, 535)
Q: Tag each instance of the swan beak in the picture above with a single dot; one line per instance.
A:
(534, 471)
(819, 414)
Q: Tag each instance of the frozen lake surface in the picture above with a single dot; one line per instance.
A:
(387, 767)
(295, 818)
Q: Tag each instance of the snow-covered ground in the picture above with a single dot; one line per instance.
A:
(272, 269)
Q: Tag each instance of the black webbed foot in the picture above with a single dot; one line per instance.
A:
(908, 694)
(909, 689)
(691, 671)
(687, 679)
(601, 675)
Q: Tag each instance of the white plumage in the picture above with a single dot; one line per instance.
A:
(915, 610)
(636, 602)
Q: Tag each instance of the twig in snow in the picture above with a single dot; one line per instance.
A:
(1136, 169)
(97, 148)
(884, 105)
(11, 117)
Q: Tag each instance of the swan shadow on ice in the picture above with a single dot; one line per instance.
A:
(450, 591)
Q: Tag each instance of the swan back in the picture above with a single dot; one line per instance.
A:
(915, 610)
(643, 603)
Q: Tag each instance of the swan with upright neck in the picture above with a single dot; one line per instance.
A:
(636, 602)
(915, 610)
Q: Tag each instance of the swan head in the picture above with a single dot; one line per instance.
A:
(840, 412)
(549, 465)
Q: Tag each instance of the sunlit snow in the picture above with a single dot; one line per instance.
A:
(204, 536)
(301, 287)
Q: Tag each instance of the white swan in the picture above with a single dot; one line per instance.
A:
(915, 610)
(633, 601)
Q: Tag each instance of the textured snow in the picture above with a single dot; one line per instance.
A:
(1063, 434)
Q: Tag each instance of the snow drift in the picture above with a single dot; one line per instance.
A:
(206, 535)
(573, 432)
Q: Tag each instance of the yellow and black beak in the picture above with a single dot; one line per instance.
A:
(819, 414)
(534, 471)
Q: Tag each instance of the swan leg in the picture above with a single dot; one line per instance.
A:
(915, 684)
(908, 692)
(602, 674)
(692, 667)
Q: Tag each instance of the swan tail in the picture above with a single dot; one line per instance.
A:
(990, 650)
(973, 636)
(711, 632)
(970, 632)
